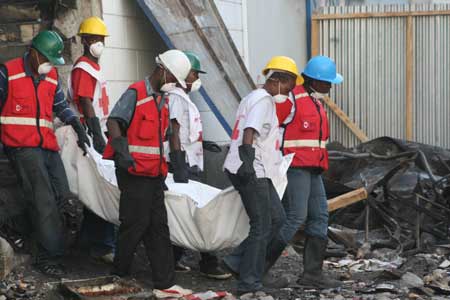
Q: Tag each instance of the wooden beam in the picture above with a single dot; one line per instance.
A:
(315, 35)
(344, 118)
(409, 77)
(367, 15)
(347, 199)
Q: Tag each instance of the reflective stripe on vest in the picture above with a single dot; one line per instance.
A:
(143, 101)
(144, 149)
(305, 143)
(298, 96)
(25, 121)
(17, 76)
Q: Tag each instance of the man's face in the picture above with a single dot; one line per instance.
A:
(90, 39)
(321, 86)
(286, 83)
(36, 59)
(193, 76)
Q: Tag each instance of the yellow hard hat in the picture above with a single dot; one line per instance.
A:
(283, 63)
(94, 26)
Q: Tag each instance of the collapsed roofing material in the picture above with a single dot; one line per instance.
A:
(408, 185)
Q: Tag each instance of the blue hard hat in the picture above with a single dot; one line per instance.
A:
(322, 68)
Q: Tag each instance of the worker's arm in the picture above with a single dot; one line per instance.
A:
(177, 107)
(174, 139)
(117, 124)
(87, 107)
(93, 124)
(3, 85)
(249, 135)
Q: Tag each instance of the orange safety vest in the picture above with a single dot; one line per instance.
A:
(146, 135)
(27, 115)
(308, 132)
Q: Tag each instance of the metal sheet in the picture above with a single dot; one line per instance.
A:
(196, 25)
(370, 53)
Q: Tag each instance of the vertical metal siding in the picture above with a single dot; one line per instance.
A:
(370, 54)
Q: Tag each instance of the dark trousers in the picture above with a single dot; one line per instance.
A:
(43, 180)
(96, 234)
(143, 217)
(266, 214)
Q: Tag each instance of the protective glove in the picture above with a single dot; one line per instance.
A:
(95, 130)
(211, 146)
(180, 168)
(122, 156)
(81, 133)
(246, 172)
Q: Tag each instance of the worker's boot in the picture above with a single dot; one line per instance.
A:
(313, 256)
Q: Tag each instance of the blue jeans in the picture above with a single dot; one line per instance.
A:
(305, 202)
(266, 214)
(43, 180)
(97, 234)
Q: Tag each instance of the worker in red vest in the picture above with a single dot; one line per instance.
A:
(306, 134)
(137, 128)
(30, 92)
(87, 89)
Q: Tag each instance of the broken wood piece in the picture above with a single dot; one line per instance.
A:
(347, 199)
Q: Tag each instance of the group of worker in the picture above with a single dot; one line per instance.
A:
(155, 127)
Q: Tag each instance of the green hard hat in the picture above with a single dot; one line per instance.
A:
(195, 61)
(49, 44)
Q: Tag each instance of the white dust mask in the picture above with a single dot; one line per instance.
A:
(279, 98)
(45, 68)
(195, 86)
(317, 95)
(96, 49)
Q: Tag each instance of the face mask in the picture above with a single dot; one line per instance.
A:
(195, 86)
(279, 98)
(167, 86)
(43, 68)
(317, 95)
(96, 49)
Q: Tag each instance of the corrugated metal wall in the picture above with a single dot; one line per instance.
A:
(370, 53)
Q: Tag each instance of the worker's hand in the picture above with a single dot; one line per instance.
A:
(246, 172)
(180, 167)
(122, 156)
(95, 130)
(211, 146)
(81, 133)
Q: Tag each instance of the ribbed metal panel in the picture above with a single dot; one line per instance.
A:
(371, 55)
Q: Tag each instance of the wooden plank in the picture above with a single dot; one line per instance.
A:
(409, 77)
(344, 118)
(347, 199)
(315, 35)
(380, 15)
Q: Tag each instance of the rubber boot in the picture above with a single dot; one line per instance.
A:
(313, 256)
(274, 251)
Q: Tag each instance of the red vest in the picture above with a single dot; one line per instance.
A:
(307, 134)
(283, 110)
(27, 115)
(146, 135)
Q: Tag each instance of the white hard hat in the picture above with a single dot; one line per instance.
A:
(177, 63)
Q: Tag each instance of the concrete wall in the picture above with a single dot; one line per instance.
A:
(275, 28)
(131, 47)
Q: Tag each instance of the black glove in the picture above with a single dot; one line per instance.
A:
(81, 133)
(122, 156)
(211, 146)
(95, 130)
(180, 168)
(246, 171)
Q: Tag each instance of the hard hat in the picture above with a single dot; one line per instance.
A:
(283, 63)
(322, 68)
(94, 26)
(49, 44)
(177, 63)
(195, 61)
